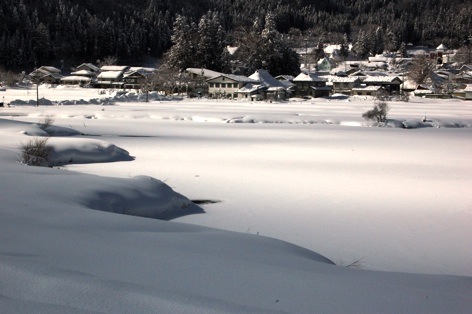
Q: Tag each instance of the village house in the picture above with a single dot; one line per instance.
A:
(274, 89)
(391, 84)
(110, 79)
(465, 93)
(252, 91)
(344, 85)
(87, 69)
(134, 78)
(111, 76)
(422, 90)
(310, 84)
(324, 65)
(367, 90)
(465, 75)
(226, 85)
(47, 74)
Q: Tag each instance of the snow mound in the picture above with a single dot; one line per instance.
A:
(416, 124)
(36, 129)
(140, 196)
(114, 96)
(80, 151)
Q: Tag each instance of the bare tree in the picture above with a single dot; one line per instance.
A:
(464, 55)
(9, 78)
(420, 69)
(108, 60)
(378, 113)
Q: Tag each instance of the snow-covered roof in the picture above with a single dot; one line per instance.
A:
(110, 74)
(285, 77)
(50, 69)
(466, 67)
(349, 79)
(90, 66)
(114, 68)
(264, 78)
(304, 50)
(310, 77)
(133, 72)
(75, 78)
(250, 88)
(324, 60)
(83, 73)
(381, 79)
(232, 50)
(204, 72)
(56, 76)
(331, 48)
(236, 78)
(142, 69)
(358, 73)
(441, 47)
(379, 58)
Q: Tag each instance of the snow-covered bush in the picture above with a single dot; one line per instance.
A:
(35, 152)
(45, 123)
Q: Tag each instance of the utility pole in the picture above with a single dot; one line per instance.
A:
(306, 55)
(35, 78)
(37, 93)
(469, 53)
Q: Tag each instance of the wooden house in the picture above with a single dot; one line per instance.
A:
(89, 68)
(310, 84)
(110, 79)
(134, 79)
(344, 85)
(275, 89)
(47, 74)
(363, 90)
(391, 84)
(226, 85)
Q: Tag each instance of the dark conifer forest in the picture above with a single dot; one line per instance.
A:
(61, 32)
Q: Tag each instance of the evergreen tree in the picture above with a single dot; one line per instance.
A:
(402, 50)
(182, 53)
(211, 43)
(41, 44)
(378, 41)
(319, 51)
(344, 49)
(86, 30)
(360, 47)
(272, 53)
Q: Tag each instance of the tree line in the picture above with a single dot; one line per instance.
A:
(63, 32)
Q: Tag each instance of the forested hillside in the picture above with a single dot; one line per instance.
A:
(62, 32)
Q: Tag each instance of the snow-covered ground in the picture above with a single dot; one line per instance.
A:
(311, 173)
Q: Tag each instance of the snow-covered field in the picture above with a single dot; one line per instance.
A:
(311, 173)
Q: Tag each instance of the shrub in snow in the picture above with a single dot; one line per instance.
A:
(378, 113)
(35, 152)
(45, 123)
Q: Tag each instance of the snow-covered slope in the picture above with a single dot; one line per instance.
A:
(73, 242)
